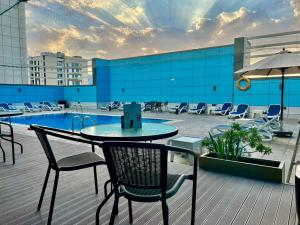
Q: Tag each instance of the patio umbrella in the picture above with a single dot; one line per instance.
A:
(280, 65)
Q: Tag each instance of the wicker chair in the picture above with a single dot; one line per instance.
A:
(139, 172)
(70, 163)
(8, 136)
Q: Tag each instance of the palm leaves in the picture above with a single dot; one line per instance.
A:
(235, 142)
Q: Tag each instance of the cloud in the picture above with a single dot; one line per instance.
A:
(277, 20)
(120, 41)
(123, 28)
(295, 5)
(226, 17)
(198, 22)
(130, 15)
(101, 53)
(69, 40)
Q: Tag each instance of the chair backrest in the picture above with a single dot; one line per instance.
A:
(42, 136)
(226, 106)
(48, 104)
(242, 108)
(4, 106)
(201, 105)
(11, 106)
(28, 104)
(142, 165)
(183, 104)
(274, 110)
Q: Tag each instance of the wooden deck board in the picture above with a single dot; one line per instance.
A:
(221, 199)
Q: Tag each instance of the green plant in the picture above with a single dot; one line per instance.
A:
(236, 142)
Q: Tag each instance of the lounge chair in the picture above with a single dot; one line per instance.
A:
(241, 112)
(5, 107)
(11, 106)
(31, 108)
(224, 110)
(115, 105)
(264, 126)
(199, 109)
(183, 107)
(273, 111)
(110, 106)
(50, 106)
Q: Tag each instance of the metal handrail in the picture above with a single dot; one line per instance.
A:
(87, 117)
(73, 119)
(76, 107)
(80, 106)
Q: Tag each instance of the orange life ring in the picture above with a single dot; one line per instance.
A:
(244, 88)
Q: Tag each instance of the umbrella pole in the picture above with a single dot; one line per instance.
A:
(281, 132)
(282, 97)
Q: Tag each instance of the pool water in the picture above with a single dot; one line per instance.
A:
(64, 120)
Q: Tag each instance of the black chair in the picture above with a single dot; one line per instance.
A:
(8, 135)
(139, 172)
(70, 163)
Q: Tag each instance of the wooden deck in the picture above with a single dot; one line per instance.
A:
(221, 199)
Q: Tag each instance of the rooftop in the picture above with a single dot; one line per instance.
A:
(221, 199)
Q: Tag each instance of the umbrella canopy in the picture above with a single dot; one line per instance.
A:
(273, 65)
(282, 64)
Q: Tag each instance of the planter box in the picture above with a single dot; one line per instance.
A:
(248, 167)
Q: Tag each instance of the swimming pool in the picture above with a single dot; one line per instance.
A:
(64, 120)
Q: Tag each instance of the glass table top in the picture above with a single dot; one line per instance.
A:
(149, 131)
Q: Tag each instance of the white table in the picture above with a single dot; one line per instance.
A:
(191, 143)
(210, 109)
(256, 113)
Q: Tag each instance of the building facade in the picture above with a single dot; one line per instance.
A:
(58, 69)
(13, 49)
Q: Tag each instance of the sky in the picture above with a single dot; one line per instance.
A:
(124, 28)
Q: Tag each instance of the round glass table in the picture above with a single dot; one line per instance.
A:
(114, 132)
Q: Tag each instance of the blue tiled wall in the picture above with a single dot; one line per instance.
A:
(80, 94)
(102, 80)
(193, 76)
(28, 93)
(265, 92)
(31, 93)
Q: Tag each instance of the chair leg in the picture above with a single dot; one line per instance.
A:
(130, 211)
(96, 180)
(44, 188)
(13, 149)
(3, 152)
(115, 210)
(101, 205)
(21, 146)
(165, 210)
(53, 198)
(194, 201)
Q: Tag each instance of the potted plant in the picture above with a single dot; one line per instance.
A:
(227, 152)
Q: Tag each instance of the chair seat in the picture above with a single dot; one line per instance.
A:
(154, 194)
(80, 161)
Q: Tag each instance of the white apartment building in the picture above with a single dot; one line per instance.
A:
(13, 49)
(57, 69)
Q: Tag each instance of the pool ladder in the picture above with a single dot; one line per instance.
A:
(82, 121)
(78, 108)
